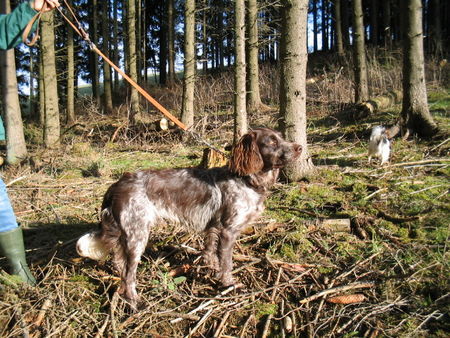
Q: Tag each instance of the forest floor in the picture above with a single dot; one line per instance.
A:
(378, 235)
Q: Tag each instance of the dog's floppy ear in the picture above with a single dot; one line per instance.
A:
(245, 157)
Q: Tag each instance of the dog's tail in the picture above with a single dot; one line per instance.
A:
(90, 245)
(95, 245)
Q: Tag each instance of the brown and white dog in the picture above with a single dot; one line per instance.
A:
(218, 201)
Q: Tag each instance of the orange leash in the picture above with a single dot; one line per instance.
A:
(141, 90)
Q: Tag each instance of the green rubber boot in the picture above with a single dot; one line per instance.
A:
(11, 247)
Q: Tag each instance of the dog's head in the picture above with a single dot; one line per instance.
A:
(262, 149)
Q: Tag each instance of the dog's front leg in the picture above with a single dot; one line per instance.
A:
(227, 239)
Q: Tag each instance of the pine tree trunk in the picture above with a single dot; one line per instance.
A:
(16, 149)
(361, 77)
(387, 24)
(51, 109)
(93, 56)
(254, 97)
(338, 25)
(293, 59)
(187, 114)
(374, 22)
(171, 41)
(436, 29)
(324, 24)
(240, 111)
(115, 42)
(315, 26)
(70, 105)
(107, 86)
(415, 112)
(345, 24)
(163, 50)
(132, 60)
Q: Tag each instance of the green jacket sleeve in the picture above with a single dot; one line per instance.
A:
(13, 24)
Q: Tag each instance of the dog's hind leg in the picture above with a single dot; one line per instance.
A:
(132, 247)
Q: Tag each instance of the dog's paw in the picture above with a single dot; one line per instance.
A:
(211, 261)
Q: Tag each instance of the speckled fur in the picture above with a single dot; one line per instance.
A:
(218, 201)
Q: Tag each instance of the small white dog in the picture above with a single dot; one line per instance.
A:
(379, 144)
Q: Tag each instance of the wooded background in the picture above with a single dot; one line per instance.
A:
(145, 38)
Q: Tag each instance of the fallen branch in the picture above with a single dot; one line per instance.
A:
(396, 219)
(438, 160)
(337, 289)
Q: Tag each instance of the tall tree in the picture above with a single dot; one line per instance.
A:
(107, 86)
(187, 113)
(416, 115)
(240, 111)
(132, 60)
(315, 26)
(254, 97)
(16, 149)
(171, 41)
(374, 22)
(359, 49)
(163, 46)
(293, 59)
(345, 22)
(435, 28)
(115, 42)
(338, 29)
(70, 108)
(93, 33)
(325, 24)
(386, 22)
(50, 110)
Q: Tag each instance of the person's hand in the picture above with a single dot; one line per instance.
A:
(44, 5)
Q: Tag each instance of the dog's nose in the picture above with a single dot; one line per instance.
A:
(297, 148)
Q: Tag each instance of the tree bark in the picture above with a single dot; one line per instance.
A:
(338, 31)
(171, 40)
(115, 55)
(315, 26)
(70, 105)
(50, 90)
(293, 59)
(107, 87)
(325, 24)
(436, 29)
(240, 110)
(416, 115)
(163, 50)
(187, 114)
(254, 97)
(387, 30)
(360, 67)
(16, 149)
(374, 22)
(345, 24)
(93, 56)
(132, 60)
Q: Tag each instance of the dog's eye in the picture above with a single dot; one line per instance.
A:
(273, 142)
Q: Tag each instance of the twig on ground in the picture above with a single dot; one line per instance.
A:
(207, 303)
(221, 326)
(337, 289)
(200, 322)
(100, 332)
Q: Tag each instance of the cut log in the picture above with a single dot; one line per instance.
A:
(212, 159)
